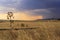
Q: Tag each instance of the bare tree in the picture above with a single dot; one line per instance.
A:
(9, 17)
(14, 35)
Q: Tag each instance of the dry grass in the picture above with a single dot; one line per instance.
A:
(48, 30)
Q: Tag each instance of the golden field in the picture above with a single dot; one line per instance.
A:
(44, 30)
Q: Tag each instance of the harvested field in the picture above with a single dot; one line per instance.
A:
(41, 30)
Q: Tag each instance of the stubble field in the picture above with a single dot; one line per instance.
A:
(31, 30)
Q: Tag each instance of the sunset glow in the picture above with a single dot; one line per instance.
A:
(21, 16)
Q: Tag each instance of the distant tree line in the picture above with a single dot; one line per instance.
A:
(49, 19)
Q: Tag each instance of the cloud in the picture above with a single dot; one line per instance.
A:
(30, 4)
(42, 12)
(33, 14)
(35, 8)
(7, 9)
(18, 15)
(10, 3)
(38, 4)
(46, 13)
(55, 12)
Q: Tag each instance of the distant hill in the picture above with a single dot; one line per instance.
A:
(49, 19)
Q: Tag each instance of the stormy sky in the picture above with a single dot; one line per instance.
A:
(33, 9)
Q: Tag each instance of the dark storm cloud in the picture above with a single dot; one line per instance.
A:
(51, 5)
(51, 8)
(39, 4)
(46, 13)
(55, 12)
(54, 4)
(32, 4)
